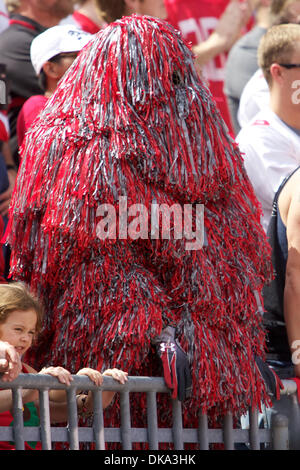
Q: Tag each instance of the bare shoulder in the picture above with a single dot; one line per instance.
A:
(289, 199)
(293, 189)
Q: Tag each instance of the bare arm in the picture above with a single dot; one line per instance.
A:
(292, 280)
(118, 375)
(229, 28)
(85, 402)
(57, 398)
(58, 404)
(6, 401)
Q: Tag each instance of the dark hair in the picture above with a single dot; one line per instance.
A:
(42, 79)
(111, 10)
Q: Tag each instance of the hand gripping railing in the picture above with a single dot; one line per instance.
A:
(202, 436)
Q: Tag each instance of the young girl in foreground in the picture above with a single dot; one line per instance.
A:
(20, 321)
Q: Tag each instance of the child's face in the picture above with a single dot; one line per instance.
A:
(19, 329)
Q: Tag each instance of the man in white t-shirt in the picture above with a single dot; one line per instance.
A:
(254, 98)
(271, 141)
(255, 94)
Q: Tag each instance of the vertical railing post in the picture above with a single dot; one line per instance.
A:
(98, 423)
(18, 423)
(72, 419)
(253, 429)
(45, 423)
(152, 421)
(228, 432)
(125, 421)
(294, 422)
(203, 431)
(177, 428)
(280, 432)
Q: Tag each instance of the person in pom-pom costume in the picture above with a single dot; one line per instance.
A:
(132, 120)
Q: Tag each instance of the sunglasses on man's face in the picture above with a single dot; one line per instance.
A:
(290, 66)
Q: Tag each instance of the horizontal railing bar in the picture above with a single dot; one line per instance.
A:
(59, 434)
(135, 384)
(6, 433)
(44, 381)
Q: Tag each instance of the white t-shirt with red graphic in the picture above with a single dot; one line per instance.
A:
(254, 98)
(271, 152)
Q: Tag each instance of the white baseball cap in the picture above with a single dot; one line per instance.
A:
(56, 40)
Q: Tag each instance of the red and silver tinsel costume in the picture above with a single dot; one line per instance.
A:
(131, 118)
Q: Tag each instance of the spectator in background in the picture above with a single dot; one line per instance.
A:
(255, 95)
(242, 59)
(7, 172)
(87, 18)
(281, 295)
(271, 141)
(212, 27)
(7, 181)
(6, 165)
(52, 53)
(28, 18)
(284, 12)
(112, 10)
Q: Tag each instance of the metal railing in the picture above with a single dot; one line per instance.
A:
(276, 437)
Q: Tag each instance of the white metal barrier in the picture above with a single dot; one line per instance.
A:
(278, 436)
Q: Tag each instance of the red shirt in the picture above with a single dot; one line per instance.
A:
(4, 127)
(85, 23)
(28, 113)
(197, 20)
(31, 418)
(2, 262)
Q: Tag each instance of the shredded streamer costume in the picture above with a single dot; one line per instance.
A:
(131, 118)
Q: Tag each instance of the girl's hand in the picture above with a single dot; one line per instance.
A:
(117, 374)
(63, 375)
(10, 362)
(94, 375)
